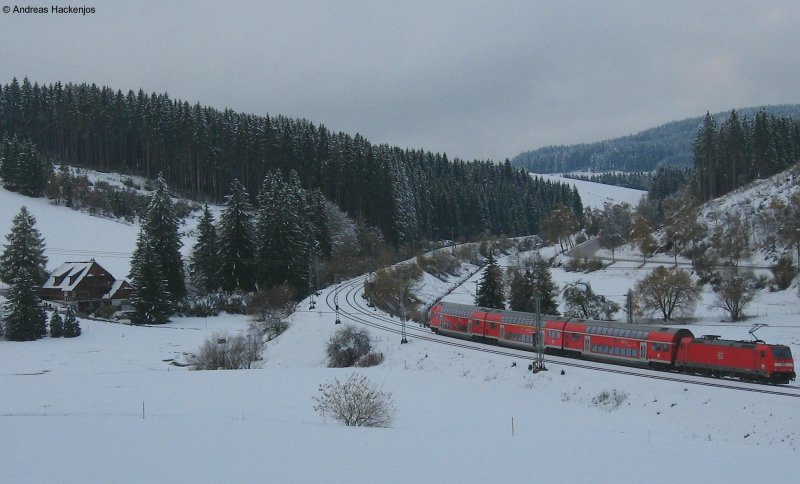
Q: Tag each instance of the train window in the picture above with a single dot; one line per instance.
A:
(781, 352)
(763, 354)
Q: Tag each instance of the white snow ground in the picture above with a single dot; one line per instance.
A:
(108, 407)
(594, 195)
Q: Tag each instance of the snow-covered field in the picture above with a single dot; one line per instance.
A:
(109, 406)
(594, 195)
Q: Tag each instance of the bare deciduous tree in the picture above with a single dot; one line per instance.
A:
(225, 352)
(356, 402)
(668, 291)
(734, 291)
(582, 302)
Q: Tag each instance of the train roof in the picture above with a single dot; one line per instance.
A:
(520, 317)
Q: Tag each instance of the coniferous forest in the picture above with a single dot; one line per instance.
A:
(741, 150)
(409, 195)
(666, 145)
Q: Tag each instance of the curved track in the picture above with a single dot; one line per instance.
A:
(349, 299)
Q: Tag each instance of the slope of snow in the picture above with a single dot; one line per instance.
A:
(72, 236)
(594, 195)
(751, 202)
(110, 407)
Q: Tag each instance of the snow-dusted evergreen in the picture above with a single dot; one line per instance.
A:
(24, 253)
(204, 262)
(151, 300)
(56, 325)
(156, 265)
(22, 167)
(237, 246)
(160, 229)
(22, 266)
(285, 230)
(490, 288)
(72, 327)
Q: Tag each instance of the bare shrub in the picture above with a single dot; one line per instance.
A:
(609, 400)
(270, 308)
(783, 272)
(439, 264)
(348, 345)
(370, 359)
(225, 352)
(356, 402)
(392, 289)
(468, 253)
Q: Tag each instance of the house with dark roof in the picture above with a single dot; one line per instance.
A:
(87, 285)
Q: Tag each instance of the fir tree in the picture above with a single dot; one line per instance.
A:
(543, 287)
(705, 158)
(72, 328)
(521, 291)
(25, 319)
(151, 301)
(236, 242)
(22, 265)
(24, 253)
(204, 265)
(160, 228)
(56, 325)
(490, 288)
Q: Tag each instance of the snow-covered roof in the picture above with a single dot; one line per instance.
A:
(68, 276)
(114, 288)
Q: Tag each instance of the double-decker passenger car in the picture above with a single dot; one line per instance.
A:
(656, 346)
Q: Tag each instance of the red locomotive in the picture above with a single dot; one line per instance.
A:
(662, 347)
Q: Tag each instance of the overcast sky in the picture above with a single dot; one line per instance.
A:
(472, 79)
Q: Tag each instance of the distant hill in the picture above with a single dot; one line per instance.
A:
(668, 144)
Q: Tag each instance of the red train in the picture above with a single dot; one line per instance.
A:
(664, 347)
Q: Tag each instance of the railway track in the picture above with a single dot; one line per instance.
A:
(351, 305)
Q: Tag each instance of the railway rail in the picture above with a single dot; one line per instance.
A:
(355, 309)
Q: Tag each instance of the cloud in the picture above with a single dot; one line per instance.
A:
(473, 79)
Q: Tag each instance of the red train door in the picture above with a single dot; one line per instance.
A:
(586, 344)
(643, 350)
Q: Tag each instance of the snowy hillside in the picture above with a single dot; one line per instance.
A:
(71, 235)
(110, 406)
(594, 195)
(752, 203)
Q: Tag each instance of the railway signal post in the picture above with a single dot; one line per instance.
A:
(538, 339)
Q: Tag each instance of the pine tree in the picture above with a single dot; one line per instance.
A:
(151, 301)
(705, 159)
(25, 319)
(160, 228)
(24, 254)
(56, 325)
(236, 242)
(22, 265)
(542, 286)
(521, 291)
(204, 265)
(72, 328)
(490, 292)
(286, 234)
